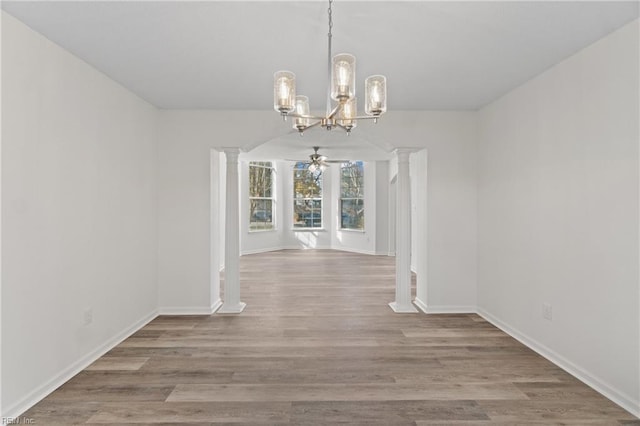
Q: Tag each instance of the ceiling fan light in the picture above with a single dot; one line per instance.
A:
(343, 77)
(302, 108)
(312, 167)
(284, 91)
(375, 95)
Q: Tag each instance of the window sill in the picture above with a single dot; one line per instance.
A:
(308, 230)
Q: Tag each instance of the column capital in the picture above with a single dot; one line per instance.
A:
(226, 149)
(403, 153)
(232, 154)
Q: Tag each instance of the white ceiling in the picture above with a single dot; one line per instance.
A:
(222, 55)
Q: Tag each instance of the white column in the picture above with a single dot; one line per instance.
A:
(214, 231)
(420, 233)
(403, 304)
(232, 303)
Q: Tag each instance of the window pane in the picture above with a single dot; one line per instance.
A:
(260, 215)
(307, 213)
(260, 179)
(307, 193)
(352, 179)
(352, 214)
(260, 186)
(306, 184)
(267, 183)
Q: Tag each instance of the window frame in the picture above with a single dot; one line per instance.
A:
(272, 198)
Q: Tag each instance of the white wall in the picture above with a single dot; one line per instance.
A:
(78, 214)
(185, 169)
(450, 185)
(558, 214)
(382, 208)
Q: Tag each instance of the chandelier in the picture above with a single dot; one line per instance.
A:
(341, 89)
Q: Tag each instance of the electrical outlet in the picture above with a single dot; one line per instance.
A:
(547, 311)
(87, 316)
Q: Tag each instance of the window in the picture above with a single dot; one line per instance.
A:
(352, 195)
(261, 196)
(307, 197)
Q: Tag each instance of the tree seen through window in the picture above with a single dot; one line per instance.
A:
(307, 197)
(261, 200)
(352, 195)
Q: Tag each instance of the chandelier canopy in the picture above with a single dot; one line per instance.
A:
(342, 90)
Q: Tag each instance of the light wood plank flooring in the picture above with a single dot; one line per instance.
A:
(317, 344)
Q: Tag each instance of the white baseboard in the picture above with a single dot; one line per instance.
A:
(260, 250)
(189, 310)
(354, 250)
(623, 400)
(452, 309)
(443, 309)
(216, 305)
(294, 247)
(55, 382)
(421, 305)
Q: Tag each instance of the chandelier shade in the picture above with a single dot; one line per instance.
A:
(342, 89)
(302, 110)
(348, 113)
(284, 91)
(375, 95)
(343, 83)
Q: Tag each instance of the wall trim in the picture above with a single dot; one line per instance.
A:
(421, 305)
(443, 309)
(216, 305)
(294, 247)
(623, 400)
(352, 250)
(189, 310)
(76, 367)
(260, 250)
(291, 247)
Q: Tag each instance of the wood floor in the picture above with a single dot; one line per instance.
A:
(318, 345)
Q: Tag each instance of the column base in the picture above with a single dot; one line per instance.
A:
(403, 309)
(232, 309)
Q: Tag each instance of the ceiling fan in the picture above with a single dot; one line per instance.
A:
(319, 162)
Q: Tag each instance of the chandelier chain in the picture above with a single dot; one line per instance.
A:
(330, 12)
(329, 35)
